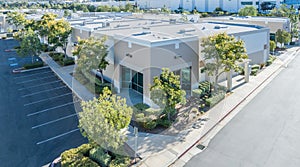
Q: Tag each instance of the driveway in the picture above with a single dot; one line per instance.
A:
(37, 115)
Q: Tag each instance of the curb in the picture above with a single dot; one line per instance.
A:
(21, 70)
(239, 103)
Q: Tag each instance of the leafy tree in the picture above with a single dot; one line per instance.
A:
(222, 54)
(16, 18)
(59, 34)
(103, 119)
(115, 9)
(272, 46)
(45, 24)
(248, 11)
(29, 44)
(128, 7)
(166, 92)
(67, 13)
(91, 54)
(282, 36)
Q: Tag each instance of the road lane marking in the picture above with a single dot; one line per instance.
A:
(30, 75)
(40, 85)
(52, 108)
(47, 99)
(36, 79)
(48, 90)
(58, 136)
(53, 121)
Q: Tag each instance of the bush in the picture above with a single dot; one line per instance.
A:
(120, 161)
(66, 61)
(98, 155)
(164, 122)
(197, 92)
(33, 65)
(84, 149)
(140, 107)
(215, 99)
(99, 87)
(73, 158)
(150, 124)
(254, 72)
(204, 14)
(3, 37)
(57, 56)
(255, 66)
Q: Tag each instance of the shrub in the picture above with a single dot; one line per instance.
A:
(99, 87)
(215, 99)
(197, 92)
(254, 72)
(204, 14)
(164, 122)
(152, 112)
(98, 155)
(73, 158)
(3, 37)
(120, 161)
(255, 66)
(140, 107)
(84, 149)
(33, 65)
(66, 61)
(57, 56)
(150, 124)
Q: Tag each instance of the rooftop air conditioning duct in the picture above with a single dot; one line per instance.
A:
(187, 30)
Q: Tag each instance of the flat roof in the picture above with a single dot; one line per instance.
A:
(177, 31)
(249, 18)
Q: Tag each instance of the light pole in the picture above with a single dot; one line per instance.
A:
(135, 132)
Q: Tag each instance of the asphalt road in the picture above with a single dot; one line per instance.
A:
(37, 116)
(265, 133)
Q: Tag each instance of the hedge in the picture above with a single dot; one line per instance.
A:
(66, 61)
(215, 99)
(75, 157)
(140, 107)
(197, 92)
(33, 65)
(120, 161)
(98, 155)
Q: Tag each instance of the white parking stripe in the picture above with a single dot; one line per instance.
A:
(48, 90)
(47, 99)
(40, 85)
(50, 122)
(58, 136)
(30, 75)
(36, 79)
(52, 108)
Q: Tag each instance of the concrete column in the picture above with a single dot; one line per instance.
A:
(229, 80)
(247, 72)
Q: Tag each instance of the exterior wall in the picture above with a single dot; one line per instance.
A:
(231, 6)
(257, 45)
(140, 60)
(168, 57)
(82, 34)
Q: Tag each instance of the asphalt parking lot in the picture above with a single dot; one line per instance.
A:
(37, 116)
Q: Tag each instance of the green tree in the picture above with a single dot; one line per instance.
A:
(102, 120)
(248, 11)
(16, 18)
(222, 54)
(67, 13)
(29, 44)
(44, 25)
(59, 34)
(128, 7)
(166, 92)
(272, 46)
(282, 37)
(91, 54)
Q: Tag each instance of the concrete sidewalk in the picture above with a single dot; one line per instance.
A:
(64, 73)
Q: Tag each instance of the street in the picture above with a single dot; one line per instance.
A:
(265, 133)
(37, 116)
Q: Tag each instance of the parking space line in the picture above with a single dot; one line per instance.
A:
(36, 79)
(40, 85)
(53, 121)
(58, 136)
(47, 99)
(30, 75)
(52, 108)
(48, 90)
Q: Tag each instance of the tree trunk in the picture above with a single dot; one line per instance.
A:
(216, 80)
(101, 72)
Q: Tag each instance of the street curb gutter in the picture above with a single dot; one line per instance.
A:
(231, 110)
